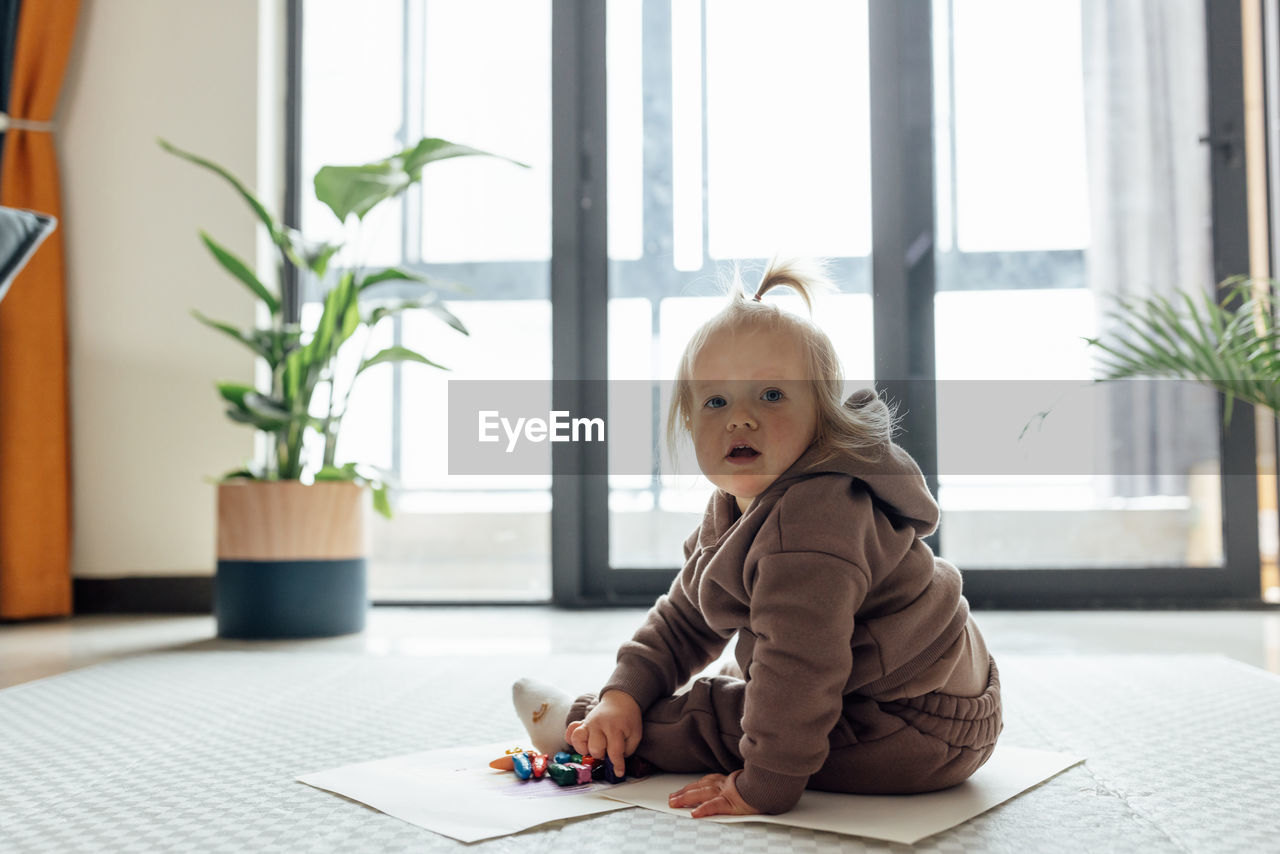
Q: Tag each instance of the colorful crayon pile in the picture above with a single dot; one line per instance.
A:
(565, 769)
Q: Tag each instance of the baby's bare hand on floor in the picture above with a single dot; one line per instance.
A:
(714, 794)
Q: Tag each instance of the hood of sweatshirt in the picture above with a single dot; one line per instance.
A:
(893, 478)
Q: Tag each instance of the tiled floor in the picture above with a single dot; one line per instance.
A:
(34, 650)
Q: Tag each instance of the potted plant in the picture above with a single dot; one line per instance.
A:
(1229, 345)
(290, 535)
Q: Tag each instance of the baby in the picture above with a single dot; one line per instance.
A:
(859, 667)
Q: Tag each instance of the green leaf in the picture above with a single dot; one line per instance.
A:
(402, 275)
(309, 254)
(335, 324)
(242, 272)
(319, 262)
(273, 227)
(295, 373)
(267, 407)
(359, 189)
(433, 149)
(429, 303)
(392, 274)
(287, 240)
(276, 343)
(1227, 344)
(350, 321)
(353, 473)
(244, 416)
(338, 473)
(235, 393)
(380, 501)
(396, 354)
(253, 343)
(348, 190)
(447, 316)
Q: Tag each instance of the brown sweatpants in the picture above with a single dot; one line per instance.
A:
(905, 746)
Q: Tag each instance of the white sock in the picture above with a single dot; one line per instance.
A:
(542, 709)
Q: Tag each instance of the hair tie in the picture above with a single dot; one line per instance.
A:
(757, 296)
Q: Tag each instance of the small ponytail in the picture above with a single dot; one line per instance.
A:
(806, 277)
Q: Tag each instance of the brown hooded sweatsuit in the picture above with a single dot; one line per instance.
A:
(863, 671)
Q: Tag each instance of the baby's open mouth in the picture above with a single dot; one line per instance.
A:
(744, 452)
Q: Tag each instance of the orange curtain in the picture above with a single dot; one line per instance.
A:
(35, 449)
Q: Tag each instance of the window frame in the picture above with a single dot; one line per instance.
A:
(902, 210)
(902, 113)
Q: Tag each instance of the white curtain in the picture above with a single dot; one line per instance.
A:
(1145, 81)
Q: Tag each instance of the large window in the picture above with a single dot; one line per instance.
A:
(1063, 141)
(1077, 179)
(719, 159)
(444, 69)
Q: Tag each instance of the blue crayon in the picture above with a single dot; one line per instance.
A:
(522, 765)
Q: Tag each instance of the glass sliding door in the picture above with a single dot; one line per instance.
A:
(444, 69)
(1069, 172)
(721, 154)
(1031, 162)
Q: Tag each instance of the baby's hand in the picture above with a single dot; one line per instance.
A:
(714, 794)
(611, 729)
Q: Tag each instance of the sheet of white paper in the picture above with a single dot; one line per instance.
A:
(455, 793)
(895, 818)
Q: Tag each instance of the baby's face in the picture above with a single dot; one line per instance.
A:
(754, 411)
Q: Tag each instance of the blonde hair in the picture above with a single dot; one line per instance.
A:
(862, 433)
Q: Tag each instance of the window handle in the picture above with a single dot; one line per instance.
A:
(1229, 143)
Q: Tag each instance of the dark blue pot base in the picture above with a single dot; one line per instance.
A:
(258, 599)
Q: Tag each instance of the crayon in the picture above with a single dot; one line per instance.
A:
(563, 775)
(522, 765)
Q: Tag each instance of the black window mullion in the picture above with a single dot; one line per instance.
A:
(1225, 49)
(579, 295)
(291, 283)
(902, 219)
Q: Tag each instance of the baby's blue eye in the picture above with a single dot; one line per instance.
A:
(715, 402)
(773, 395)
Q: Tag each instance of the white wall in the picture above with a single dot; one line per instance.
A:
(148, 431)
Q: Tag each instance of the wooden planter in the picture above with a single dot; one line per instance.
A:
(291, 559)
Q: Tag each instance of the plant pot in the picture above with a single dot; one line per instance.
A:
(291, 559)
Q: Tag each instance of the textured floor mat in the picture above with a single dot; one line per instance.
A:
(198, 750)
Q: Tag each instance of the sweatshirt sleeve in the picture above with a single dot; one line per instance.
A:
(673, 642)
(802, 616)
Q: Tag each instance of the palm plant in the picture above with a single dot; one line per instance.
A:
(1229, 344)
(307, 394)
